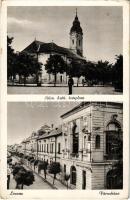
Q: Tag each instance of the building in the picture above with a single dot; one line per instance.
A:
(43, 50)
(88, 145)
(49, 145)
(92, 134)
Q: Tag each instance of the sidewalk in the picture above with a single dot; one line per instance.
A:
(49, 178)
(57, 184)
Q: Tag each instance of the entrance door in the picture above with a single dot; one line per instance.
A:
(73, 175)
(83, 180)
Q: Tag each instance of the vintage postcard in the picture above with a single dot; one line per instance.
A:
(64, 119)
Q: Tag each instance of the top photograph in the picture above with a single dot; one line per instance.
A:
(65, 50)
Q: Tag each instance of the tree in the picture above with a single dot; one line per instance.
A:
(75, 70)
(103, 70)
(9, 160)
(43, 165)
(54, 168)
(11, 57)
(89, 72)
(28, 65)
(55, 64)
(24, 177)
(118, 73)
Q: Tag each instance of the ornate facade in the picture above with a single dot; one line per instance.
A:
(88, 145)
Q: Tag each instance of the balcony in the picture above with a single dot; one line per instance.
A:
(74, 155)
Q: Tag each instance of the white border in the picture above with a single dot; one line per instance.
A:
(70, 194)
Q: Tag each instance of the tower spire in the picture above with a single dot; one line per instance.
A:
(76, 12)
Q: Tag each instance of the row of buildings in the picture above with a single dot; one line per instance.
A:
(88, 144)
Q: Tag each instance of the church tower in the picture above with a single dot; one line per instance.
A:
(76, 37)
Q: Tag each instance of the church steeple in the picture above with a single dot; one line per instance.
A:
(76, 36)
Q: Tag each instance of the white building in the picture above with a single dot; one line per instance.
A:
(43, 51)
(92, 138)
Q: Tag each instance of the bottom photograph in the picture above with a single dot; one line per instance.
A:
(65, 145)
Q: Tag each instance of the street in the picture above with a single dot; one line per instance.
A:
(39, 183)
(60, 90)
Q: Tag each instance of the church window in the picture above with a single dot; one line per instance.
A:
(72, 41)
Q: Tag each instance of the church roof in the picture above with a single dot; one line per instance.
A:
(76, 26)
(42, 47)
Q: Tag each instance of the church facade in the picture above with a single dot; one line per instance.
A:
(43, 51)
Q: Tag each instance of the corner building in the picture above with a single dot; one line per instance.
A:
(92, 133)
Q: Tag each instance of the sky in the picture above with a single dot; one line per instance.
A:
(26, 117)
(102, 28)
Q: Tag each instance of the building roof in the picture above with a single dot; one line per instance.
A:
(84, 105)
(48, 48)
(54, 133)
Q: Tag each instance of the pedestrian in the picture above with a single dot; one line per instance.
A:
(8, 176)
(70, 84)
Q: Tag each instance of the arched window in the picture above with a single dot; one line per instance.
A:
(72, 41)
(97, 142)
(73, 175)
(114, 144)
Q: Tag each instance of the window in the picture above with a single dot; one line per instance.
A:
(114, 144)
(83, 179)
(65, 143)
(97, 142)
(44, 147)
(84, 142)
(47, 148)
(89, 137)
(58, 148)
(52, 147)
(75, 138)
(40, 147)
(73, 175)
(72, 41)
(64, 168)
(79, 42)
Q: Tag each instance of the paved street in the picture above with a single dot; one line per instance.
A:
(61, 90)
(39, 183)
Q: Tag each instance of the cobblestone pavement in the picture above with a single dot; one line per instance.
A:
(61, 90)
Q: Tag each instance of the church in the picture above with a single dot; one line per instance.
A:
(75, 52)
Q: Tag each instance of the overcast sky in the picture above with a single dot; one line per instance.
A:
(26, 117)
(102, 28)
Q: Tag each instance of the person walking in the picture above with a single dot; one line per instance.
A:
(70, 84)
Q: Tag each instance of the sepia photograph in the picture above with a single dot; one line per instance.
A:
(65, 145)
(65, 50)
(64, 88)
